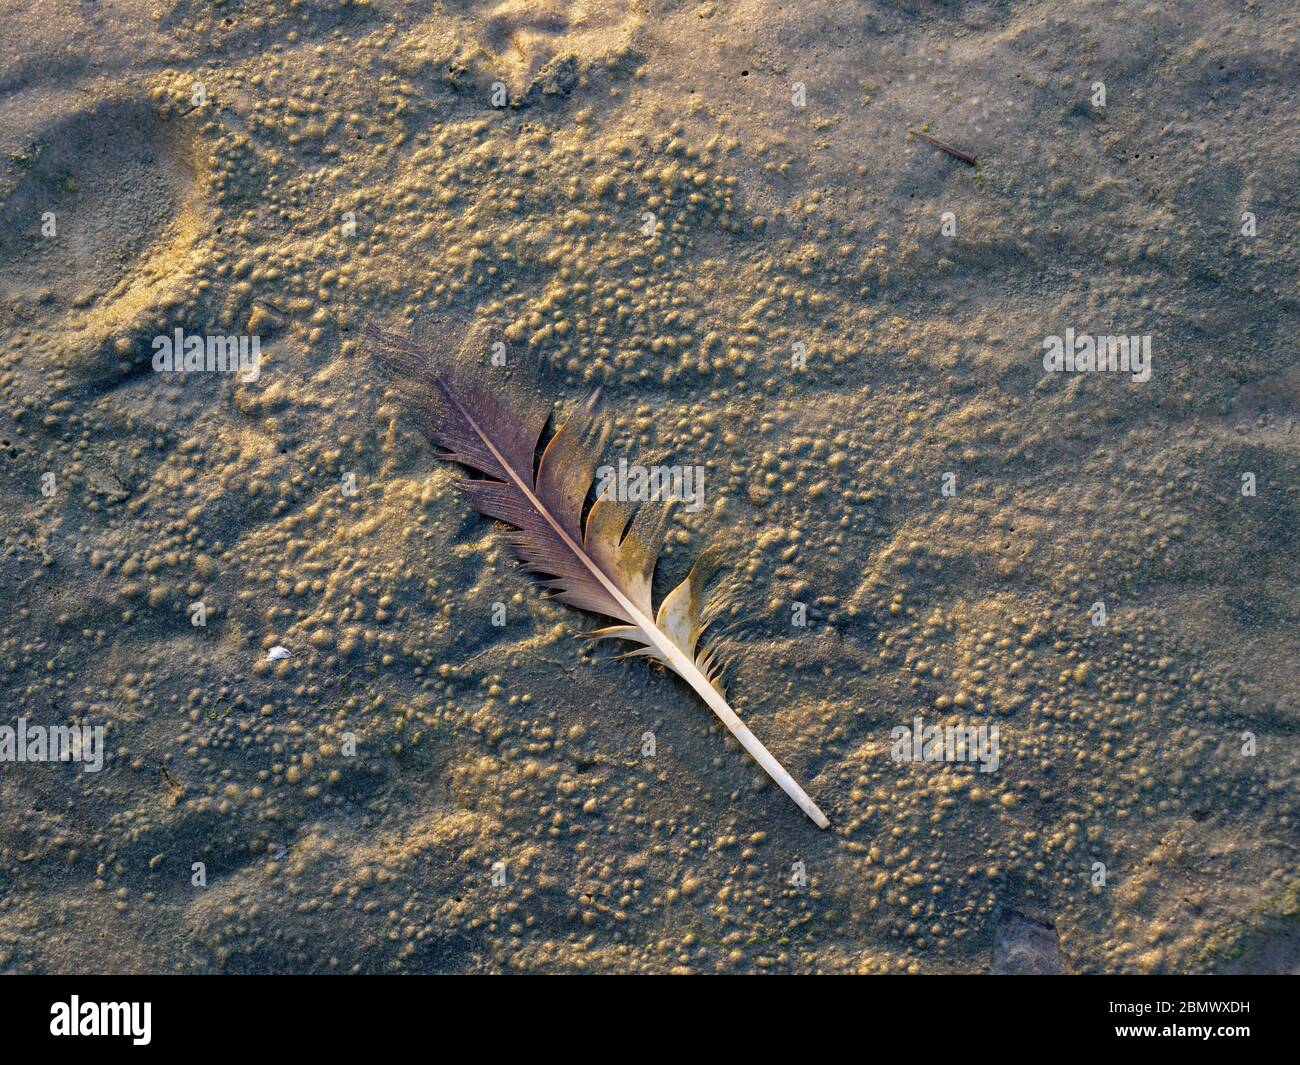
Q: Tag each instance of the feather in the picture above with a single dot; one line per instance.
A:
(605, 564)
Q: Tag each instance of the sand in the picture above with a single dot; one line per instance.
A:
(714, 212)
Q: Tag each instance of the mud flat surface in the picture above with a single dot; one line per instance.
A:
(418, 789)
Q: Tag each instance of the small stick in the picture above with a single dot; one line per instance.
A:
(965, 157)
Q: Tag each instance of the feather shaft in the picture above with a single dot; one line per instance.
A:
(654, 636)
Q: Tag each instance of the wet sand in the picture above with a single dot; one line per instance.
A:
(714, 212)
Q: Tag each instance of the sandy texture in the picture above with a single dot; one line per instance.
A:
(343, 165)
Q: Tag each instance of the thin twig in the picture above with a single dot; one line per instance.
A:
(965, 157)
